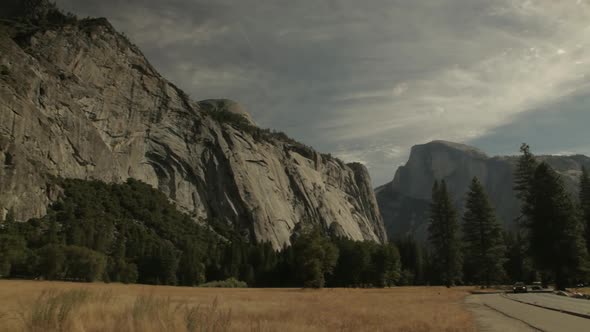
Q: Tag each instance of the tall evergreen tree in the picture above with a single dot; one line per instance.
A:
(484, 247)
(518, 264)
(555, 231)
(585, 204)
(523, 178)
(444, 235)
(520, 260)
(386, 265)
(412, 259)
(12, 250)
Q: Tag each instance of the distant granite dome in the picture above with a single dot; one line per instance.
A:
(404, 202)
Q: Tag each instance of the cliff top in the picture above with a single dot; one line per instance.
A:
(454, 146)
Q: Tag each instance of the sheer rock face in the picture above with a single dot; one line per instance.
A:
(80, 101)
(404, 202)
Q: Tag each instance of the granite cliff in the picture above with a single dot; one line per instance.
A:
(404, 202)
(79, 100)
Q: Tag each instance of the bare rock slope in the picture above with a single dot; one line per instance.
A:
(404, 202)
(78, 100)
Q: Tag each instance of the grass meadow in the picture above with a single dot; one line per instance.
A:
(62, 306)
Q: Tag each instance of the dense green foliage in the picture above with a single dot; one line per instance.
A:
(585, 204)
(132, 227)
(444, 235)
(484, 249)
(523, 179)
(363, 264)
(555, 232)
(315, 258)
(132, 233)
(412, 257)
(12, 252)
(518, 265)
(556, 241)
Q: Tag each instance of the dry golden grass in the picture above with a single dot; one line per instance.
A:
(585, 290)
(57, 306)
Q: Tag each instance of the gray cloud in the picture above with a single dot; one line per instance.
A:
(366, 80)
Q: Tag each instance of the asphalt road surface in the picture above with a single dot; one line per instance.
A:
(564, 303)
(502, 313)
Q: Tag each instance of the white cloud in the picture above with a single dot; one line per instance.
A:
(374, 156)
(400, 89)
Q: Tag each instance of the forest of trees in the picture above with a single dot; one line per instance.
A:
(132, 233)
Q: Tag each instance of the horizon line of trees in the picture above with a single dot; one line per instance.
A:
(132, 233)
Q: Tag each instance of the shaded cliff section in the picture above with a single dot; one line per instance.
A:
(78, 100)
(404, 202)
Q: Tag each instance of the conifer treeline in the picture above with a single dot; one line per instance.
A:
(552, 222)
(131, 233)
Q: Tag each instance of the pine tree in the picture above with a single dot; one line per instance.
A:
(523, 177)
(484, 247)
(555, 231)
(386, 265)
(585, 204)
(412, 260)
(518, 264)
(444, 235)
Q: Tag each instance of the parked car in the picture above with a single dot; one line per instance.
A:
(519, 287)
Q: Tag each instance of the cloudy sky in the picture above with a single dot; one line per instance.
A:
(366, 80)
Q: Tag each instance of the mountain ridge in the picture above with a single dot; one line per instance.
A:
(404, 201)
(79, 100)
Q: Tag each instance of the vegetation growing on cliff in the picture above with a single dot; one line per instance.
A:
(242, 124)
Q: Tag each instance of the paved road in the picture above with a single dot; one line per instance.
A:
(497, 312)
(557, 302)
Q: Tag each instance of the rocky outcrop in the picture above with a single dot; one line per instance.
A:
(78, 100)
(404, 202)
